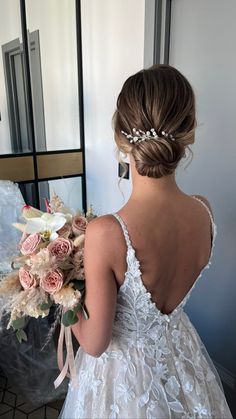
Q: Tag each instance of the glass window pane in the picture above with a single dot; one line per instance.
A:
(53, 58)
(69, 190)
(28, 192)
(14, 136)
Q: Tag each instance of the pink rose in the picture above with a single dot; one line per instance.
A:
(60, 248)
(79, 225)
(52, 281)
(23, 237)
(26, 280)
(30, 244)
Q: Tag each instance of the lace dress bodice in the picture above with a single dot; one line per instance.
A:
(136, 312)
(155, 365)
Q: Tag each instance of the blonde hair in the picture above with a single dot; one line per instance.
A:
(161, 98)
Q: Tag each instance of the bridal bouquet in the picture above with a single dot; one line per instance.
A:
(49, 269)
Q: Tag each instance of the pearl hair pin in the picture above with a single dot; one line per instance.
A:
(139, 135)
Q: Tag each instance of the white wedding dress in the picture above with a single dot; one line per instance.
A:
(155, 365)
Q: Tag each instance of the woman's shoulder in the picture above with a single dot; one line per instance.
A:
(205, 201)
(103, 227)
(102, 222)
(104, 234)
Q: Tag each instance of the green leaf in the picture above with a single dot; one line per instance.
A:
(18, 335)
(77, 308)
(46, 305)
(18, 323)
(85, 313)
(79, 284)
(69, 318)
(21, 335)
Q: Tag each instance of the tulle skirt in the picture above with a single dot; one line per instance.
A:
(129, 381)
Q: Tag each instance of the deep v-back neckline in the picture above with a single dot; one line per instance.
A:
(131, 256)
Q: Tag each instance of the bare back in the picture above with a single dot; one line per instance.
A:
(172, 240)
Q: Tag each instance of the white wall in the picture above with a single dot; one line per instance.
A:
(203, 37)
(9, 29)
(113, 47)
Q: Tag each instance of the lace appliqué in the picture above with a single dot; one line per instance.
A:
(154, 366)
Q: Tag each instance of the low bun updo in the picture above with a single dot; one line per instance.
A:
(161, 98)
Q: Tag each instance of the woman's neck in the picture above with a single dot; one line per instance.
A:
(145, 187)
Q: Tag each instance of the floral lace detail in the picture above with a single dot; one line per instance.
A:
(155, 365)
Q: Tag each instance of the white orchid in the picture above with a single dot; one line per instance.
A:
(68, 216)
(31, 212)
(47, 225)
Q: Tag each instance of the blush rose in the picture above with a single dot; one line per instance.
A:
(79, 225)
(60, 248)
(52, 281)
(26, 280)
(30, 244)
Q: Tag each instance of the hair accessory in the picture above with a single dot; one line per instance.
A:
(140, 135)
(167, 135)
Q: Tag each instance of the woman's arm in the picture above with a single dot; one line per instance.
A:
(94, 334)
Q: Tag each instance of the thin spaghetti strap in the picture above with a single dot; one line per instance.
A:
(203, 203)
(124, 228)
(213, 225)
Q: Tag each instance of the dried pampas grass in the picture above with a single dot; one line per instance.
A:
(10, 285)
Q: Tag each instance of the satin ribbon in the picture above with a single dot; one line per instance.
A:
(68, 369)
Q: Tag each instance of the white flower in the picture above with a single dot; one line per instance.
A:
(161, 370)
(41, 262)
(201, 410)
(67, 215)
(125, 392)
(35, 311)
(47, 225)
(67, 297)
(114, 411)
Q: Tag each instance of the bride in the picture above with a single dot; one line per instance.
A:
(140, 356)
